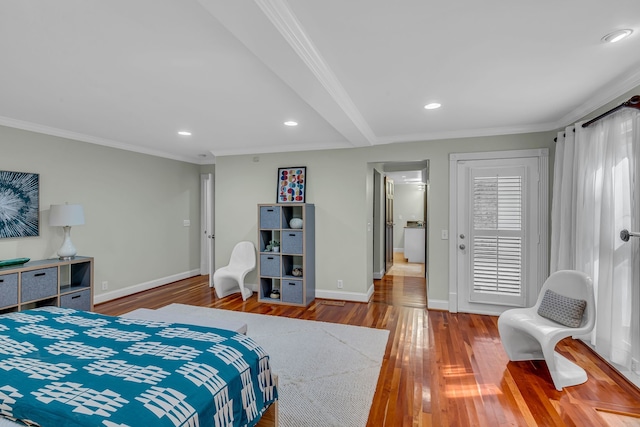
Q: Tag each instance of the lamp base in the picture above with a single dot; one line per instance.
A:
(67, 251)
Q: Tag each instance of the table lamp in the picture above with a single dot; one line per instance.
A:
(65, 216)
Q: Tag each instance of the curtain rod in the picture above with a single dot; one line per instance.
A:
(633, 102)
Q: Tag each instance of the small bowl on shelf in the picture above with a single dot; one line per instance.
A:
(275, 294)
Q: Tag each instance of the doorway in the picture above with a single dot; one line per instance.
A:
(498, 230)
(400, 211)
(207, 255)
(389, 223)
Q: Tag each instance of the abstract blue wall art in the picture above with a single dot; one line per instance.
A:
(19, 204)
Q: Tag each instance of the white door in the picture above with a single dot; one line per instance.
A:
(207, 264)
(497, 234)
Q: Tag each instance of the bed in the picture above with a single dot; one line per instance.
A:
(64, 367)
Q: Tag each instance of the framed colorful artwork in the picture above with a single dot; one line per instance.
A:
(19, 204)
(292, 184)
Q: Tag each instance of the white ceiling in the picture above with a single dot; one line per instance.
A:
(353, 73)
(413, 177)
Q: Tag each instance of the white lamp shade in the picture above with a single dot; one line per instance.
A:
(66, 215)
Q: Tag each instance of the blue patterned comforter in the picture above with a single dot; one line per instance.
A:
(63, 367)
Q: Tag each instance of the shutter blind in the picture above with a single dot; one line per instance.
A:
(497, 235)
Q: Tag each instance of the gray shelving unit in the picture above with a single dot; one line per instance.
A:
(276, 270)
(63, 283)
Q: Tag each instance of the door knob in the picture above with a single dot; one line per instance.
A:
(462, 236)
(462, 246)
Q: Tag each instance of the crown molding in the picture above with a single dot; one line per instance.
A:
(608, 93)
(284, 20)
(62, 133)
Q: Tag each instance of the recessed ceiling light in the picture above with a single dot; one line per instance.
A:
(432, 106)
(290, 123)
(184, 133)
(616, 36)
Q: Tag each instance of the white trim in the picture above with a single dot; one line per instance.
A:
(378, 274)
(544, 217)
(438, 304)
(543, 196)
(76, 136)
(130, 290)
(346, 296)
(336, 295)
(285, 21)
(453, 268)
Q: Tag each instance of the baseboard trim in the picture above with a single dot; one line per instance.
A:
(346, 296)
(438, 304)
(337, 295)
(119, 293)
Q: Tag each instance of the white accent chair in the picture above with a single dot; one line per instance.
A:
(230, 279)
(526, 335)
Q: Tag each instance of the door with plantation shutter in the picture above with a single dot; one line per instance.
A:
(497, 234)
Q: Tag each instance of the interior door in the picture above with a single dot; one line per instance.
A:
(388, 236)
(497, 234)
(207, 247)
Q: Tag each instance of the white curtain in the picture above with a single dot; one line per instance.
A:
(595, 196)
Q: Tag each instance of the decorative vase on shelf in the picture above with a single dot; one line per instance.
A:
(276, 249)
(295, 223)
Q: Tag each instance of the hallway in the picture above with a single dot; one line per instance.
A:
(404, 284)
(403, 268)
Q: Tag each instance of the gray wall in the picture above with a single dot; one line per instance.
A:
(340, 184)
(408, 205)
(134, 207)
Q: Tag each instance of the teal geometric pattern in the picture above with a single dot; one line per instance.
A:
(63, 367)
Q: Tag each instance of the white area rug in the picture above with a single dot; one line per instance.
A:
(327, 373)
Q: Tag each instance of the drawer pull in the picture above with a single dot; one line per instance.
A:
(270, 257)
(76, 296)
(292, 234)
(39, 274)
(292, 283)
(1, 280)
(269, 210)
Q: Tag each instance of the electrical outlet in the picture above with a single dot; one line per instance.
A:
(444, 234)
(340, 285)
(186, 223)
(105, 285)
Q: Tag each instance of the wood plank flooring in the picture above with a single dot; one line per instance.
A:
(439, 368)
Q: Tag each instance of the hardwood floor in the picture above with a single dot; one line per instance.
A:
(439, 368)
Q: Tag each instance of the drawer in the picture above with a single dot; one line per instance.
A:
(80, 300)
(38, 284)
(8, 289)
(269, 216)
(291, 291)
(291, 242)
(269, 265)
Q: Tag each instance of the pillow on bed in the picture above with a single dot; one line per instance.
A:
(564, 310)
